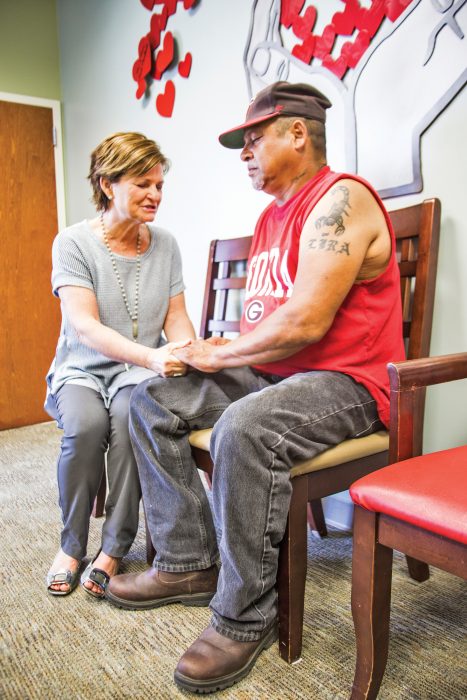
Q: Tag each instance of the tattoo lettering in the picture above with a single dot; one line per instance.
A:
(330, 245)
(338, 209)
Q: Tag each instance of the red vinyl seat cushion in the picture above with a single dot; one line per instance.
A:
(428, 491)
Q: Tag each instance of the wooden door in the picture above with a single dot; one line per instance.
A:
(30, 315)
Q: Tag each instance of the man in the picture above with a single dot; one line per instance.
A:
(321, 319)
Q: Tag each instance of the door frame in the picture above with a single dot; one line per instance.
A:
(55, 106)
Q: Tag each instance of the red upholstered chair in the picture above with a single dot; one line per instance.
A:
(417, 505)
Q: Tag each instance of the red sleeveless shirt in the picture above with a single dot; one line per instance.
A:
(366, 332)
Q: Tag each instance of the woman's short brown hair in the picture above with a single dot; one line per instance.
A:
(123, 153)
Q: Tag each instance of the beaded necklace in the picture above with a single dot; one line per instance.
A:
(133, 316)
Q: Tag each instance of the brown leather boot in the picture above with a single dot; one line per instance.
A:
(154, 588)
(215, 662)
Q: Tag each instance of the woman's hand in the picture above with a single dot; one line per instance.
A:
(163, 362)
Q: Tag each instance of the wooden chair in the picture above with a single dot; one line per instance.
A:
(417, 505)
(417, 233)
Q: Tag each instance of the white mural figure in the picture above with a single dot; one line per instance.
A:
(411, 69)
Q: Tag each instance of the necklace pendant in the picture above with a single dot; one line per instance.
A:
(135, 328)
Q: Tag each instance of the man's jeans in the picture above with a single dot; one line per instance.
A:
(262, 426)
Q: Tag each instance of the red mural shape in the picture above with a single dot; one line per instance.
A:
(165, 101)
(152, 63)
(365, 20)
(184, 67)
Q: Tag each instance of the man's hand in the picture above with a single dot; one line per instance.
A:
(202, 354)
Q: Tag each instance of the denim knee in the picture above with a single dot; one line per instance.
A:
(235, 433)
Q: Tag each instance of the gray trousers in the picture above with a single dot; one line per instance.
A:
(90, 430)
(262, 426)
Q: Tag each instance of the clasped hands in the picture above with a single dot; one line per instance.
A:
(174, 358)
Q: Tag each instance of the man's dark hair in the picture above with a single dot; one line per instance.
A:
(315, 130)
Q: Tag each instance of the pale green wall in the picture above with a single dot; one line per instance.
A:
(29, 57)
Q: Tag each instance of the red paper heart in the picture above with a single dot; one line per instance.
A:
(290, 9)
(324, 43)
(184, 67)
(302, 26)
(187, 4)
(304, 52)
(338, 66)
(344, 22)
(353, 51)
(148, 4)
(158, 24)
(165, 101)
(164, 56)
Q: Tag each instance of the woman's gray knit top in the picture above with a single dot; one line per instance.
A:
(80, 259)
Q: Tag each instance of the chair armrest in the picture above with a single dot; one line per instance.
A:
(413, 374)
(408, 381)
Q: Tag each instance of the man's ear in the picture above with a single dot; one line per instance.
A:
(299, 132)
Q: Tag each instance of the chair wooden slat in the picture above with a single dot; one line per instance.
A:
(229, 283)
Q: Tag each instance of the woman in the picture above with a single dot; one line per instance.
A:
(119, 280)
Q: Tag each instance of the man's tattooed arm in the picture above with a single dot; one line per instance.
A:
(336, 214)
(333, 224)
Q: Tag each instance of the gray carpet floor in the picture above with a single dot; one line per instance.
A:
(76, 647)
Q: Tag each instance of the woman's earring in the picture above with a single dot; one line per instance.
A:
(109, 197)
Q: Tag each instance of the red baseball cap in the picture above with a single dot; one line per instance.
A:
(276, 100)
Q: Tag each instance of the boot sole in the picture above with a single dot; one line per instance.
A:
(193, 599)
(216, 684)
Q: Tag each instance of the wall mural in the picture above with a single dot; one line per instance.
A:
(389, 67)
(158, 51)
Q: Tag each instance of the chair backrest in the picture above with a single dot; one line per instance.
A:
(417, 240)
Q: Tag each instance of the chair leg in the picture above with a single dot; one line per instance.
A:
(418, 570)
(291, 574)
(371, 599)
(99, 501)
(316, 519)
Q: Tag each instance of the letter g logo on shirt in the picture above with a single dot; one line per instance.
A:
(254, 311)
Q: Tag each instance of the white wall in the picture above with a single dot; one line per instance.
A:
(207, 191)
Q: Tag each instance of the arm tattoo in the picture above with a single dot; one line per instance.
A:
(338, 209)
(330, 245)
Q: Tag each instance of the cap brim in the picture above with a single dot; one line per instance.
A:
(234, 138)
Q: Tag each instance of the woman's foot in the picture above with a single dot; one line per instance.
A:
(62, 564)
(105, 563)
